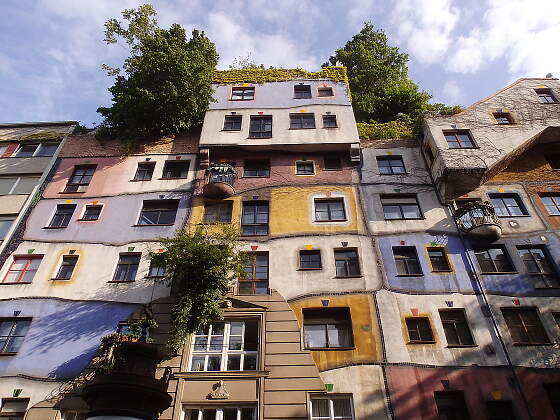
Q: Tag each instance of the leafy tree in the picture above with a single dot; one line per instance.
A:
(378, 76)
(164, 86)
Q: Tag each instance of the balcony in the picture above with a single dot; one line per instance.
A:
(219, 179)
(478, 221)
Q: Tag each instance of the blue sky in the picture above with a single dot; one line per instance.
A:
(460, 51)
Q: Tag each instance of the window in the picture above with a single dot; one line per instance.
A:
(538, 265)
(302, 91)
(243, 93)
(459, 139)
(346, 262)
(62, 215)
(254, 220)
(324, 91)
(556, 316)
(37, 150)
(525, 326)
(299, 121)
(226, 413)
(127, 267)
(306, 167)
(508, 205)
(255, 280)
(438, 259)
(47, 149)
(553, 393)
(156, 270)
(145, 171)
(26, 150)
(456, 328)
(225, 346)
(74, 415)
(260, 127)
(256, 168)
(493, 260)
(158, 212)
(329, 210)
(13, 408)
(92, 212)
(67, 267)
(12, 334)
(331, 407)
(21, 185)
(406, 260)
(327, 328)
(3, 150)
(5, 225)
(332, 163)
(390, 165)
(232, 122)
(546, 96)
(552, 204)
(503, 118)
(419, 330)
(310, 260)
(553, 160)
(400, 206)
(23, 269)
(329, 121)
(80, 179)
(451, 405)
(500, 410)
(218, 212)
(176, 169)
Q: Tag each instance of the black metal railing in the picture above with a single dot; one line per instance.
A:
(221, 172)
(475, 214)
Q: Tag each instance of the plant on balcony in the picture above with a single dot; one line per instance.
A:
(200, 265)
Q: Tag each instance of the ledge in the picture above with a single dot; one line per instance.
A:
(459, 346)
(176, 177)
(21, 282)
(223, 374)
(330, 348)
(55, 227)
(162, 224)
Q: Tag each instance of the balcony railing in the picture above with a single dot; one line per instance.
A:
(219, 179)
(478, 221)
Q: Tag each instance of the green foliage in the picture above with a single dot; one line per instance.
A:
(442, 109)
(165, 84)
(261, 75)
(81, 129)
(378, 75)
(390, 130)
(42, 135)
(200, 265)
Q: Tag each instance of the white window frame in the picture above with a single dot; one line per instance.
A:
(305, 161)
(39, 146)
(219, 411)
(225, 351)
(16, 183)
(330, 399)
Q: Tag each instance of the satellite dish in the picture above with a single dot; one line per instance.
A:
(549, 75)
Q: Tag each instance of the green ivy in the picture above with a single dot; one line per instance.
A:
(42, 135)
(389, 130)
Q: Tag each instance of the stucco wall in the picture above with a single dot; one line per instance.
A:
(416, 172)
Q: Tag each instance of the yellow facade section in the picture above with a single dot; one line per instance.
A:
(291, 209)
(365, 332)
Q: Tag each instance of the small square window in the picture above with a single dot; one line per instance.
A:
(325, 91)
(260, 127)
(552, 203)
(525, 326)
(332, 163)
(330, 210)
(12, 334)
(256, 168)
(451, 405)
(419, 330)
(390, 165)
(62, 215)
(553, 160)
(346, 262)
(127, 267)
(546, 96)
(158, 212)
(66, 267)
(327, 328)
(500, 410)
(232, 122)
(23, 269)
(455, 327)
(145, 171)
(243, 93)
(400, 206)
(80, 179)
(329, 121)
(156, 270)
(539, 265)
(255, 280)
(302, 121)
(302, 91)
(254, 221)
(460, 139)
(310, 260)
(331, 407)
(508, 205)
(92, 212)
(406, 260)
(438, 259)
(306, 167)
(218, 212)
(176, 169)
(493, 259)
(503, 118)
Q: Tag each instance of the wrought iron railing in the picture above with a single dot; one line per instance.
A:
(475, 214)
(220, 172)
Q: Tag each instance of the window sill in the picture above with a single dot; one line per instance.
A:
(154, 277)
(331, 221)
(332, 169)
(310, 269)
(55, 227)
(305, 174)
(241, 100)
(547, 288)
(331, 128)
(461, 346)
(348, 277)
(230, 131)
(329, 348)
(532, 344)
(140, 180)
(442, 271)
(421, 342)
(57, 279)
(498, 273)
(402, 173)
(305, 128)
(71, 192)
(256, 176)
(163, 224)
(8, 353)
(513, 217)
(120, 281)
(20, 282)
(172, 178)
(257, 138)
(409, 275)
(409, 218)
(87, 220)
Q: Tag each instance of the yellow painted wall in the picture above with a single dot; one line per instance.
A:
(367, 348)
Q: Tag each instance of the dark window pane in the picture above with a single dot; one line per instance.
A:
(242, 93)
(302, 91)
(310, 259)
(325, 91)
(144, 172)
(330, 210)
(455, 326)
(419, 329)
(176, 169)
(260, 126)
(256, 168)
(67, 267)
(406, 260)
(158, 212)
(346, 263)
(439, 260)
(63, 215)
(255, 218)
(232, 122)
(92, 212)
(218, 212)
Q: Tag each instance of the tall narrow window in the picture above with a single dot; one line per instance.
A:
(451, 405)
(327, 328)
(456, 328)
(400, 206)
(302, 91)
(552, 204)
(127, 267)
(390, 165)
(67, 267)
(459, 139)
(218, 212)
(329, 210)
(346, 262)
(406, 260)
(145, 171)
(232, 122)
(62, 215)
(176, 169)
(538, 265)
(254, 221)
(80, 179)
(243, 93)
(310, 260)
(438, 259)
(301, 120)
(419, 330)
(226, 346)
(260, 127)
(158, 212)
(255, 280)
(493, 259)
(92, 212)
(12, 334)
(331, 407)
(508, 205)
(23, 269)
(525, 326)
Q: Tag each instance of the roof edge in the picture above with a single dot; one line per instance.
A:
(38, 123)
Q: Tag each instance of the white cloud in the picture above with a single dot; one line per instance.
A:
(360, 11)
(452, 92)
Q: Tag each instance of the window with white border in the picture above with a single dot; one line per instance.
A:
(305, 167)
(220, 413)
(331, 407)
(318, 197)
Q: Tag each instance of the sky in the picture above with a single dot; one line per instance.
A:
(51, 51)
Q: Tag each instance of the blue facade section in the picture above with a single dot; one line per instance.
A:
(63, 335)
(458, 280)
